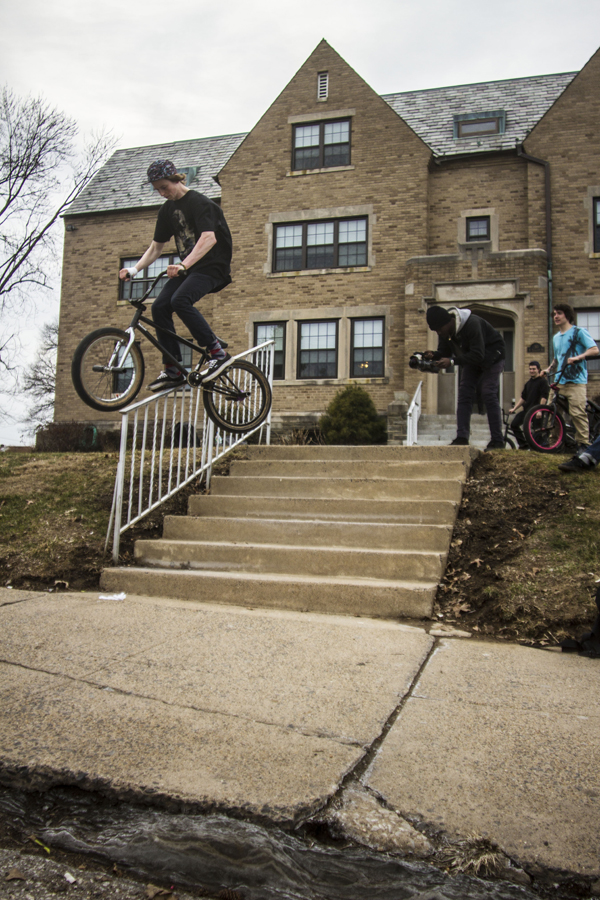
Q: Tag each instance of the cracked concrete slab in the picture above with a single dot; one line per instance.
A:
(257, 710)
(501, 740)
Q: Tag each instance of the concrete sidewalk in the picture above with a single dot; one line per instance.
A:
(265, 713)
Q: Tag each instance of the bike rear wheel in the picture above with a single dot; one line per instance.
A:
(239, 399)
(544, 429)
(101, 377)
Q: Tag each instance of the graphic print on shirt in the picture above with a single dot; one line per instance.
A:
(184, 236)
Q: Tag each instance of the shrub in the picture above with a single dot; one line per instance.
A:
(74, 437)
(351, 418)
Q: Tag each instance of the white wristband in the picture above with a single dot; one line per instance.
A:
(132, 270)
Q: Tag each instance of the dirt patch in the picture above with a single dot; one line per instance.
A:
(524, 557)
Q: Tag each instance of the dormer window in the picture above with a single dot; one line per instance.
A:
(481, 124)
(321, 145)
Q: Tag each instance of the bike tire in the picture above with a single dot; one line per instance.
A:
(239, 399)
(546, 433)
(106, 389)
(509, 441)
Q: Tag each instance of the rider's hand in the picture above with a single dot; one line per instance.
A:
(512, 410)
(444, 363)
(125, 275)
(175, 270)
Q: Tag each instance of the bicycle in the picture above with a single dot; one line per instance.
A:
(108, 373)
(507, 440)
(547, 430)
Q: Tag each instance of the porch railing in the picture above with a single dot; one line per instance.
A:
(166, 442)
(412, 417)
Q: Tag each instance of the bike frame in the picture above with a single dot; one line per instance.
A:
(138, 317)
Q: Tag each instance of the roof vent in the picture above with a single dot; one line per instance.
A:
(322, 85)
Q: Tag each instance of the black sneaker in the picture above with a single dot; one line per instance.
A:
(574, 465)
(215, 367)
(165, 381)
(496, 445)
(459, 442)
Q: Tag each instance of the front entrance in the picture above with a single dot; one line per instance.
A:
(448, 381)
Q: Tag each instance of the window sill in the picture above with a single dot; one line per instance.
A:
(594, 255)
(323, 382)
(293, 274)
(294, 173)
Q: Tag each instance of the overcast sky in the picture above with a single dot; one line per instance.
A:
(152, 72)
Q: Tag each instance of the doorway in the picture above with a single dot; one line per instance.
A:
(448, 380)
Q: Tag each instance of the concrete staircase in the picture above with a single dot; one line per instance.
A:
(439, 430)
(345, 530)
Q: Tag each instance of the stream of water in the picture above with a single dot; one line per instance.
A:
(216, 852)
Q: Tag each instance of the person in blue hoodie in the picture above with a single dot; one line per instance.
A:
(473, 344)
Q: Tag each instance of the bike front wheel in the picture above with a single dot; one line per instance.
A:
(544, 429)
(239, 399)
(102, 377)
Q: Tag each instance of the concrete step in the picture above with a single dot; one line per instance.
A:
(309, 533)
(384, 452)
(365, 511)
(340, 488)
(351, 562)
(337, 468)
(343, 596)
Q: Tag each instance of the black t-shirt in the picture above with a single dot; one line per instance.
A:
(534, 390)
(186, 220)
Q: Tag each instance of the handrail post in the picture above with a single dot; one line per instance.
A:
(119, 484)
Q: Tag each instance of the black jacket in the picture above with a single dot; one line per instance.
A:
(476, 344)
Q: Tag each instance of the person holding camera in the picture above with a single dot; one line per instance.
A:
(473, 344)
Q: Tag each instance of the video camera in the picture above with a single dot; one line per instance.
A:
(417, 361)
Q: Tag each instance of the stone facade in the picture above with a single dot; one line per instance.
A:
(416, 204)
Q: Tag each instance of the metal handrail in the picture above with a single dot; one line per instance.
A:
(412, 417)
(162, 460)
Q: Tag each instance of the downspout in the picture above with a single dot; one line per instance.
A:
(546, 165)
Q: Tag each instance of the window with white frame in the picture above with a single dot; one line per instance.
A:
(341, 243)
(321, 145)
(136, 288)
(366, 350)
(267, 331)
(590, 320)
(318, 349)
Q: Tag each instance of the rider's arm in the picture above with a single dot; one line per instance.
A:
(151, 254)
(591, 351)
(517, 405)
(205, 242)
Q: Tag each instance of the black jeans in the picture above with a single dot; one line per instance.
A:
(488, 381)
(178, 296)
(515, 427)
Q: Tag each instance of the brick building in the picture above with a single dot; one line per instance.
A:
(351, 212)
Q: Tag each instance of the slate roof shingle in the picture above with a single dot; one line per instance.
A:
(119, 184)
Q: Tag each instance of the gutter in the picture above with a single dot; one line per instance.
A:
(548, 199)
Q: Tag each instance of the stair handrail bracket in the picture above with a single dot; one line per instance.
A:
(167, 441)
(412, 417)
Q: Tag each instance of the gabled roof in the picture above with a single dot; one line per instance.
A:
(431, 113)
(120, 183)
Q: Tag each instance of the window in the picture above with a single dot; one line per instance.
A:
(266, 331)
(478, 228)
(366, 350)
(333, 244)
(133, 290)
(596, 224)
(321, 145)
(482, 123)
(317, 349)
(590, 320)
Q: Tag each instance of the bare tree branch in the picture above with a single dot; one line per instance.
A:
(40, 176)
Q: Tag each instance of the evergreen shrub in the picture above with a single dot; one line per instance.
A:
(351, 418)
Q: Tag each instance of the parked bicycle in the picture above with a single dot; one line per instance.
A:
(548, 428)
(108, 372)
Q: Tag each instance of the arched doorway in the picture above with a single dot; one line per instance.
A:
(448, 381)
